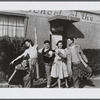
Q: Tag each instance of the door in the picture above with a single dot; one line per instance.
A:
(54, 40)
(62, 27)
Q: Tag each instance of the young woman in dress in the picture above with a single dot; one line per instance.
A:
(59, 68)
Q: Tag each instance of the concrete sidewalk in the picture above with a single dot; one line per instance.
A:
(95, 81)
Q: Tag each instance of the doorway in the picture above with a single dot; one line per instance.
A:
(62, 27)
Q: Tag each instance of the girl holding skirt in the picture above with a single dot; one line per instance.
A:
(59, 67)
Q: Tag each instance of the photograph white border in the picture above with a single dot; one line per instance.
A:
(53, 93)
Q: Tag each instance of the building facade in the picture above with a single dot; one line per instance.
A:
(53, 25)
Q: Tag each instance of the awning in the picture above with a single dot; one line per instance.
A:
(59, 24)
(73, 31)
(60, 20)
(13, 14)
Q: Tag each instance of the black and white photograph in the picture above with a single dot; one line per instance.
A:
(50, 49)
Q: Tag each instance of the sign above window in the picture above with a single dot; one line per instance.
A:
(83, 15)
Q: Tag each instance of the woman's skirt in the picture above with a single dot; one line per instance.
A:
(59, 70)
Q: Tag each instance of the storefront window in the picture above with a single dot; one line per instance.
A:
(11, 26)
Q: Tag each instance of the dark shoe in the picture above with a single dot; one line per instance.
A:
(89, 82)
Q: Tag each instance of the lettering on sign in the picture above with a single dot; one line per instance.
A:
(84, 16)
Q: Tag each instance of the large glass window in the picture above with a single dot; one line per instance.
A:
(11, 26)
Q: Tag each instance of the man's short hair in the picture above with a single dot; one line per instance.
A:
(71, 38)
(46, 41)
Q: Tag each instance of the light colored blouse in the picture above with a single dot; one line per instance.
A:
(31, 51)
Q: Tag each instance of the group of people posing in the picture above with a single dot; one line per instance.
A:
(59, 63)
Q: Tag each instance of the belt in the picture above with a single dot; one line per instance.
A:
(76, 62)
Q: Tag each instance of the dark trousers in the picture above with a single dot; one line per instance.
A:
(76, 68)
(27, 81)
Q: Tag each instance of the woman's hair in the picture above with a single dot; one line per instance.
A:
(28, 40)
(60, 41)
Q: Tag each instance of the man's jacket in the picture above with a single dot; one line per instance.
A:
(80, 54)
